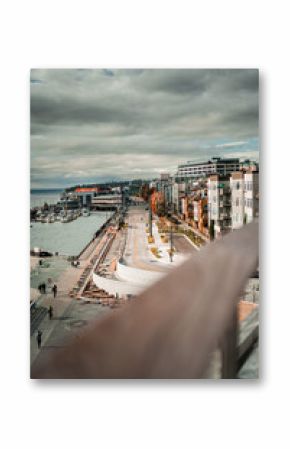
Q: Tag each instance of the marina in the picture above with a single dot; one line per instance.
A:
(65, 222)
(69, 237)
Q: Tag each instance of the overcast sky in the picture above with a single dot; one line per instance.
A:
(100, 125)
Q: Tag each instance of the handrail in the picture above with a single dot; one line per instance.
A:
(172, 328)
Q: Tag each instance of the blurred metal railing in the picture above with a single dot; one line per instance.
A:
(172, 329)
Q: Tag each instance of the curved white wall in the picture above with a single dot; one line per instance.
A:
(132, 280)
(137, 276)
(113, 286)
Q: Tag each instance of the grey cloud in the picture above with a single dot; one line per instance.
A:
(70, 111)
(93, 117)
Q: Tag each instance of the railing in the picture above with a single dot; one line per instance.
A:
(172, 329)
(96, 234)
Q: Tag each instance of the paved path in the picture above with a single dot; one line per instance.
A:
(71, 315)
(60, 304)
(136, 252)
(182, 245)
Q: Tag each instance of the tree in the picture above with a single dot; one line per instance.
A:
(160, 208)
(144, 191)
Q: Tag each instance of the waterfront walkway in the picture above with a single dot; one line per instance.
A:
(63, 300)
(70, 315)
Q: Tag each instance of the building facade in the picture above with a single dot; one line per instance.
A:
(219, 203)
(237, 198)
(251, 183)
(216, 165)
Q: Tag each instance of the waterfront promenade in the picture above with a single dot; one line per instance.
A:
(61, 303)
(71, 316)
(137, 252)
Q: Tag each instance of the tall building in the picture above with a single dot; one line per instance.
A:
(164, 185)
(251, 181)
(178, 191)
(237, 190)
(216, 165)
(245, 197)
(219, 203)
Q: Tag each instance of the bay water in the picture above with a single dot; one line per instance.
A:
(65, 238)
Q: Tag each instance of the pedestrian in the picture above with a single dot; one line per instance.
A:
(38, 338)
(44, 287)
(40, 288)
(50, 312)
(54, 289)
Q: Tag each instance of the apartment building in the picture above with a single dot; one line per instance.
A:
(251, 195)
(178, 192)
(216, 165)
(237, 199)
(244, 197)
(219, 203)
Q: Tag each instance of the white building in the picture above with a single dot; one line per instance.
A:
(251, 182)
(107, 200)
(178, 191)
(245, 197)
(219, 203)
(216, 165)
(237, 191)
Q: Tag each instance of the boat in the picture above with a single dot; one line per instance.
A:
(38, 215)
(67, 218)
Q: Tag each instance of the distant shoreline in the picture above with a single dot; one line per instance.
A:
(38, 191)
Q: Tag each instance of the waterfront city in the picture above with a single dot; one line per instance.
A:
(139, 231)
(151, 272)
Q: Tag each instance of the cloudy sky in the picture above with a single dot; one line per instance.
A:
(100, 125)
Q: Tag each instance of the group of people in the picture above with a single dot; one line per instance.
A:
(42, 289)
(39, 332)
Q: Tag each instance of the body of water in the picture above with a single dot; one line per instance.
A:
(40, 196)
(65, 238)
